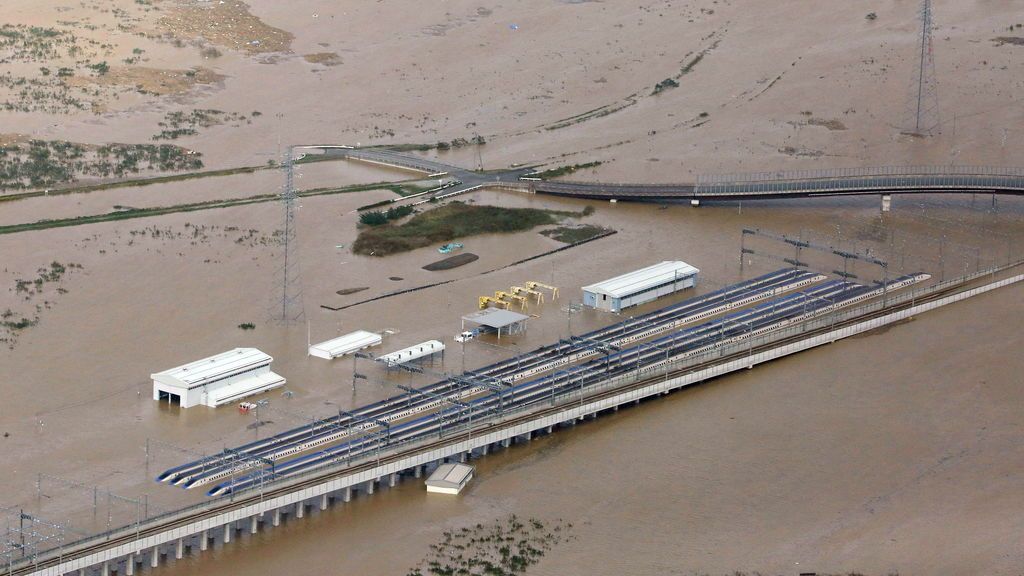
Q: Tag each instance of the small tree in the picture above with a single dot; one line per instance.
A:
(373, 218)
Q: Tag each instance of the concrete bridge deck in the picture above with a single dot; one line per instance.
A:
(727, 187)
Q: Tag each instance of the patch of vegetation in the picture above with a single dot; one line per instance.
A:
(247, 326)
(505, 548)
(178, 124)
(378, 218)
(1011, 40)
(12, 323)
(600, 112)
(129, 183)
(448, 222)
(128, 213)
(830, 124)
(48, 163)
(665, 85)
(576, 234)
(566, 170)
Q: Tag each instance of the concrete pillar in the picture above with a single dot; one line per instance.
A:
(550, 429)
(300, 509)
(81, 572)
(506, 442)
(254, 524)
(323, 502)
(463, 456)
(105, 569)
(636, 402)
(154, 559)
(129, 565)
(204, 540)
(484, 449)
(392, 479)
(886, 202)
(616, 408)
(228, 529)
(275, 519)
(347, 494)
(417, 471)
(529, 436)
(179, 549)
(369, 486)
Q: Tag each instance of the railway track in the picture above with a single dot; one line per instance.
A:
(241, 502)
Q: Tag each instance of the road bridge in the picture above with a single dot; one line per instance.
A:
(871, 181)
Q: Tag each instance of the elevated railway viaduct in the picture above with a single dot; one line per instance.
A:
(195, 528)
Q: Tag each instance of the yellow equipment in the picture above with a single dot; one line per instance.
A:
(519, 291)
(505, 296)
(485, 301)
(534, 285)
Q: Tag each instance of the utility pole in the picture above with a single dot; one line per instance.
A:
(923, 102)
(289, 308)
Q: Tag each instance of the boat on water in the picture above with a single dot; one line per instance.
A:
(449, 248)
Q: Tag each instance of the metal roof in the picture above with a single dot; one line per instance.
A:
(346, 344)
(412, 352)
(643, 279)
(450, 476)
(216, 367)
(245, 387)
(495, 317)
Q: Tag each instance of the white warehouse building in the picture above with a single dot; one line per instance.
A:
(640, 286)
(217, 380)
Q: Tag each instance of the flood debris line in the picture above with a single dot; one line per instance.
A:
(505, 547)
(443, 282)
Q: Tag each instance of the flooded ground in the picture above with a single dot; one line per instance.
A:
(849, 457)
(891, 452)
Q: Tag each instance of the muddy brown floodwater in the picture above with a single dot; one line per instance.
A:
(893, 451)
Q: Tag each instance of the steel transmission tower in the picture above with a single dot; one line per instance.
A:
(923, 101)
(288, 308)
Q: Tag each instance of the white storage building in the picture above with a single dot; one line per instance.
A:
(347, 344)
(421, 350)
(450, 478)
(217, 380)
(640, 286)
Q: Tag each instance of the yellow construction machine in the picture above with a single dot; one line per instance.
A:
(506, 297)
(534, 285)
(519, 291)
(485, 301)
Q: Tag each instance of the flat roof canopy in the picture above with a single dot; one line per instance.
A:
(352, 342)
(643, 279)
(495, 318)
